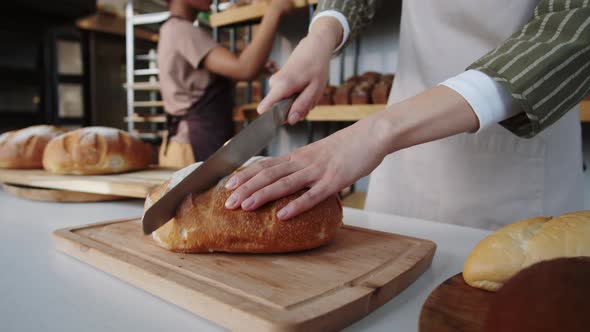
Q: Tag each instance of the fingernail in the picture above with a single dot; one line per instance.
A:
(231, 201)
(282, 213)
(261, 107)
(248, 202)
(293, 117)
(231, 183)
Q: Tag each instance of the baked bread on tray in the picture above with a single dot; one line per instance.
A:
(96, 150)
(23, 149)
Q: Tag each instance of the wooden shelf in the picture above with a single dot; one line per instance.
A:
(247, 14)
(343, 113)
(144, 86)
(112, 24)
(334, 113)
(156, 103)
(585, 110)
(138, 118)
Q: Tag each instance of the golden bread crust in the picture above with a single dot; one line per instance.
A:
(96, 150)
(203, 224)
(514, 247)
(23, 149)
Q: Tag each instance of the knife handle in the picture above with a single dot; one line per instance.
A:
(282, 108)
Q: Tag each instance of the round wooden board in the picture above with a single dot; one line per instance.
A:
(455, 306)
(55, 195)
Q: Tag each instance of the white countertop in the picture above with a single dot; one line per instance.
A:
(42, 289)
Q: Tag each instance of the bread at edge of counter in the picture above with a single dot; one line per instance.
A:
(514, 247)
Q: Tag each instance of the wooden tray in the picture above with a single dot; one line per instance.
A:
(455, 306)
(56, 195)
(133, 184)
(324, 289)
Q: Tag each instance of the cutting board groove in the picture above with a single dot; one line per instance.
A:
(324, 289)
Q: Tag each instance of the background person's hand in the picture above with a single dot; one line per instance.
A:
(271, 67)
(306, 70)
(325, 167)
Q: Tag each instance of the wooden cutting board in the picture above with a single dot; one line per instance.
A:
(454, 306)
(324, 289)
(133, 184)
(56, 195)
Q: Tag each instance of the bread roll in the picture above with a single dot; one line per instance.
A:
(342, 94)
(361, 94)
(203, 224)
(96, 150)
(548, 296)
(514, 247)
(327, 96)
(387, 78)
(380, 93)
(371, 77)
(23, 149)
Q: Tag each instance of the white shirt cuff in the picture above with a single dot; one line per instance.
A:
(343, 22)
(488, 99)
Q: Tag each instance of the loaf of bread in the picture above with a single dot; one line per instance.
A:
(343, 93)
(361, 94)
(23, 149)
(327, 96)
(96, 150)
(552, 295)
(387, 78)
(203, 224)
(516, 246)
(352, 81)
(380, 93)
(381, 90)
(370, 77)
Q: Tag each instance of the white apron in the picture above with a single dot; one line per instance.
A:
(482, 180)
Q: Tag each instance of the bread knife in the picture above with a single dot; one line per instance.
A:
(246, 144)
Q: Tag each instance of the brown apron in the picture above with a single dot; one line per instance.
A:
(209, 120)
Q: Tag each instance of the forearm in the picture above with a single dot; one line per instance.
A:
(433, 114)
(255, 55)
(328, 30)
(357, 14)
(545, 66)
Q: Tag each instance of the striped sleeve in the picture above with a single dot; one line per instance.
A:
(545, 66)
(358, 13)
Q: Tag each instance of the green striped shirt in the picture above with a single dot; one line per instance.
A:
(545, 66)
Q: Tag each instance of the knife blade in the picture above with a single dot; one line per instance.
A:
(246, 144)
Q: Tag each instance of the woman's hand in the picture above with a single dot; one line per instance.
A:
(325, 167)
(337, 161)
(306, 70)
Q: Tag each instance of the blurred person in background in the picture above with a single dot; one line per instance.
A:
(197, 76)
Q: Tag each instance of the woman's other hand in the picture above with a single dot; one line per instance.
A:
(306, 70)
(324, 167)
